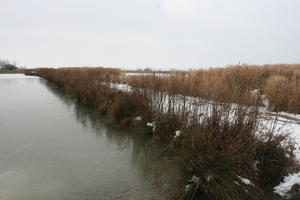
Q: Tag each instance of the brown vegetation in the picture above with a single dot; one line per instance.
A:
(217, 144)
(232, 84)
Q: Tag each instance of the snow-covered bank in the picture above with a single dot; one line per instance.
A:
(284, 121)
(284, 188)
(287, 121)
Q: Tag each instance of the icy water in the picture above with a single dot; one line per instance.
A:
(52, 148)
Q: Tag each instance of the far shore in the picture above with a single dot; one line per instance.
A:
(11, 72)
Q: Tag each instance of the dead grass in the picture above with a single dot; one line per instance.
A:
(283, 93)
(277, 90)
(218, 143)
(221, 148)
(232, 84)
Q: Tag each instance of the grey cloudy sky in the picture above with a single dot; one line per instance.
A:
(157, 33)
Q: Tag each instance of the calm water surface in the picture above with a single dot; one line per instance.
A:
(52, 148)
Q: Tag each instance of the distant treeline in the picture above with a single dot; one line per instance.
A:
(7, 65)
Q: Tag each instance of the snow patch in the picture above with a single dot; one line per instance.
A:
(195, 179)
(187, 187)
(151, 125)
(209, 178)
(177, 133)
(139, 118)
(245, 181)
(255, 163)
(262, 97)
(283, 188)
(265, 100)
(255, 93)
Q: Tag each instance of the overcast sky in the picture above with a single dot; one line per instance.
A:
(156, 33)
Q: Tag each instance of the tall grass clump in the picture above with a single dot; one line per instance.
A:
(275, 157)
(283, 93)
(124, 107)
(227, 156)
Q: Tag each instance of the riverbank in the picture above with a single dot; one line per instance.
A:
(227, 151)
(11, 72)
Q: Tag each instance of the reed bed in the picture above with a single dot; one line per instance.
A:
(224, 151)
(278, 84)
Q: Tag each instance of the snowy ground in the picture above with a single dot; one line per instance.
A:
(146, 74)
(16, 76)
(286, 121)
(283, 188)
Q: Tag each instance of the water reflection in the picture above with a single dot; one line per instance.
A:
(145, 153)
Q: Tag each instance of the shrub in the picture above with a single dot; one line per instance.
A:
(213, 177)
(277, 91)
(166, 124)
(124, 108)
(275, 157)
(223, 148)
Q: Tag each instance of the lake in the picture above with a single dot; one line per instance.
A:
(54, 148)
